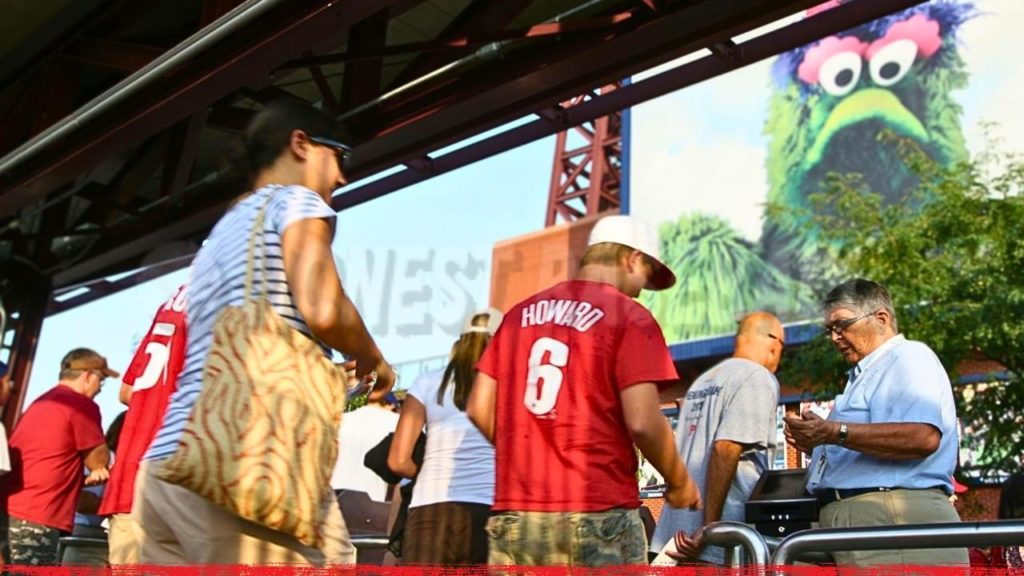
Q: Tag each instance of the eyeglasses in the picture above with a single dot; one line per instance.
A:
(781, 342)
(838, 328)
(342, 151)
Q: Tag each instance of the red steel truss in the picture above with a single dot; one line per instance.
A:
(587, 170)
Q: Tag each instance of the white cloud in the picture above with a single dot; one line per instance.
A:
(996, 83)
(702, 150)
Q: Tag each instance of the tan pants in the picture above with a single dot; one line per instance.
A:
(181, 527)
(889, 509)
(124, 539)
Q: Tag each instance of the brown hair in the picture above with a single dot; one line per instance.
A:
(461, 368)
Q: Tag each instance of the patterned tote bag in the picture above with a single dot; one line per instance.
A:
(262, 438)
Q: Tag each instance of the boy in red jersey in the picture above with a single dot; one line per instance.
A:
(146, 387)
(566, 388)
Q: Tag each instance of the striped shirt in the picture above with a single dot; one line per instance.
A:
(217, 280)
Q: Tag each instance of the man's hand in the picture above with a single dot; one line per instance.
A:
(97, 476)
(684, 495)
(809, 430)
(688, 549)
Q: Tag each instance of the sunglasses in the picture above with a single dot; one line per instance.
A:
(343, 152)
(838, 328)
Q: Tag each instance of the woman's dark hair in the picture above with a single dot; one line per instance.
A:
(269, 133)
(114, 431)
(461, 368)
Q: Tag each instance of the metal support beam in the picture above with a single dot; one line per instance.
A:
(362, 78)
(182, 147)
(792, 36)
(687, 29)
(479, 17)
(107, 124)
(105, 53)
(26, 339)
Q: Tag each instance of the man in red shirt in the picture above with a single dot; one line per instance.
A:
(566, 388)
(146, 387)
(58, 433)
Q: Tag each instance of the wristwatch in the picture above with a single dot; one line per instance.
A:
(844, 432)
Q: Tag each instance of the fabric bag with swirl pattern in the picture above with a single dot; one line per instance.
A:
(262, 438)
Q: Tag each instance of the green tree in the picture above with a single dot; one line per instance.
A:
(952, 256)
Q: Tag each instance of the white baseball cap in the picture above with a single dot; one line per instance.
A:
(494, 317)
(638, 235)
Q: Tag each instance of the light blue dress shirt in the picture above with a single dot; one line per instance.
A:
(901, 381)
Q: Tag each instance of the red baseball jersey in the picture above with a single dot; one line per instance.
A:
(153, 376)
(561, 359)
(46, 456)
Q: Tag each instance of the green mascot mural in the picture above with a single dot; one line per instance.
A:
(830, 101)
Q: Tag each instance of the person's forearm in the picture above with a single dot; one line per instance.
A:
(98, 457)
(349, 334)
(725, 458)
(892, 441)
(480, 405)
(656, 443)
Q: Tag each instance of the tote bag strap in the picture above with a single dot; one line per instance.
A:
(256, 239)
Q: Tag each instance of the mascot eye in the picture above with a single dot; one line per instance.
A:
(891, 63)
(840, 73)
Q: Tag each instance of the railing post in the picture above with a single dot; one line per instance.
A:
(907, 536)
(729, 534)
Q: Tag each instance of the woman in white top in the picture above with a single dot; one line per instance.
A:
(455, 484)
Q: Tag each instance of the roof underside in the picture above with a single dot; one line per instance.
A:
(87, 191)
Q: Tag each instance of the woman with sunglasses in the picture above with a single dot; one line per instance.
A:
(289, 169)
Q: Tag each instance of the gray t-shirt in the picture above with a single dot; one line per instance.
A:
(735, 400)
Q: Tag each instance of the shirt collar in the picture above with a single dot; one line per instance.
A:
(873, 357)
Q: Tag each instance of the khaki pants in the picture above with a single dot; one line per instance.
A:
(124, 539)
(181, 527)
(889, 509)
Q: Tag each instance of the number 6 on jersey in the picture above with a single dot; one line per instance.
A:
(544, 380)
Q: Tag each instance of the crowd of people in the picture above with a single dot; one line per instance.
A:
(522, 450)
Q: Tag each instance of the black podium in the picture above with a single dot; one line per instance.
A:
(780, 505)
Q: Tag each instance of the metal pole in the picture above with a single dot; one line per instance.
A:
(912, 536)
(728, 534)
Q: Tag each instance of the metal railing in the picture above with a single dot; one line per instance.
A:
(907, 536)
(730, 534)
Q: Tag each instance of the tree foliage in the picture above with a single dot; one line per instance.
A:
(952, 256)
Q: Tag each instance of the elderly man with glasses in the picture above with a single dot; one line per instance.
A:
(885, 455)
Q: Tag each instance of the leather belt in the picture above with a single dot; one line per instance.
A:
(827, 496)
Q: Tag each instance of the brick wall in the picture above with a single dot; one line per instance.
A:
(525, 265)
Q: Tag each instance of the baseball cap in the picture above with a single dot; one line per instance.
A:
(86, 359)
(494, 317)
(638, 235)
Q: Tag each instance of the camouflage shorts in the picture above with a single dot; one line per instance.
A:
(567, 538)
(32, 544)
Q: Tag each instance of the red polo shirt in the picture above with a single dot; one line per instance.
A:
(47, 457)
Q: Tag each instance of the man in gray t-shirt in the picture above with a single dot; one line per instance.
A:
(726, 436)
